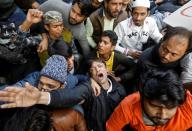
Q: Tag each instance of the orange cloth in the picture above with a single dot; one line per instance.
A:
(130, 112)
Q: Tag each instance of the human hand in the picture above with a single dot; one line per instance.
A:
(96, 87)
(158, 1)
(19, 97)
(34, 16)
(43, 46)
(135, 54)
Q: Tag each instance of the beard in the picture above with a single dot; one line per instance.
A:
(112, 14)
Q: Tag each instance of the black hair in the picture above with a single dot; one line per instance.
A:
(179, 31)
(85, 6)
(29, 119)
(90, 62)
(164, 86)
(112, 36)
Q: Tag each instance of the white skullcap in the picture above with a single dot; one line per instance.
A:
(140, 3)
(100, 1)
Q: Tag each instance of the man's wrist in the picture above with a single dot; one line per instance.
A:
(44, 98)
(25, 26)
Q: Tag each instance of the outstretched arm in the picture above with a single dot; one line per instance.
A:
(23, 97)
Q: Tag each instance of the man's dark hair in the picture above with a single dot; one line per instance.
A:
(85, 6)
(90, 62)
(164, 86)
(29, 119)
(179, 31)
(112, 36)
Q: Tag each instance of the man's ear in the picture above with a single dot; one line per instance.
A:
(46, 27)
(148, 13)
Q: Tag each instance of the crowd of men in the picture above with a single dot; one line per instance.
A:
(94, 65)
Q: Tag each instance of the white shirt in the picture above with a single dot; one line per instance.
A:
(186, 65)
(132, 37)
(110, 86)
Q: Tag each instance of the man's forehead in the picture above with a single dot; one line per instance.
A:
(96, 63)
(176, 41)
(46, 80)
(77, 8)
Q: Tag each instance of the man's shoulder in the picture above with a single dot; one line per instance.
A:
(115, 84)
(124, 23)
(131, 100)
(97, 14)
(122, 16)
(149, 20)
(147, 54)
(55, 4)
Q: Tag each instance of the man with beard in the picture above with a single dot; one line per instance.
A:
(97, 108)
(53, 76)
(173, 53)
(135, 31)
(73, 17)
(161, 104)
(105, 18)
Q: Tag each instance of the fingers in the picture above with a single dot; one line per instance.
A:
(8, 105)
(30, 88)
(7, 99)
(35, 12)
(40, 49)
(96, 88)
(13, 89)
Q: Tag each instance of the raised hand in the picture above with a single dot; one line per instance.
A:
(34, 16)
(20, 97)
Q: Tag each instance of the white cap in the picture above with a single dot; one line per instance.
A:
(100, 1)
(140, 3)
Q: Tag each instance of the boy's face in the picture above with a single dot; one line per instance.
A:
(98, 72)
(105, 46)
(55, 30)
(47, 84)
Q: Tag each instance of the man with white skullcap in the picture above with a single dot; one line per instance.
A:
(135, 31)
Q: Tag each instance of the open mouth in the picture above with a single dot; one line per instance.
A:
(100, 75)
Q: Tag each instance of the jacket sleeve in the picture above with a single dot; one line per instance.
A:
(89, 33)
(186, 74)
(31, 79)
(67, 97)
(119, 30)
(126, 62)
(79, 34)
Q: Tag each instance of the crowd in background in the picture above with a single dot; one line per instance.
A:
(94, 65)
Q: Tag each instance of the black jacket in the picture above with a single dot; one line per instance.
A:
(97, 109)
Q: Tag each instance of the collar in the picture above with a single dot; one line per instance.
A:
(110, 86)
